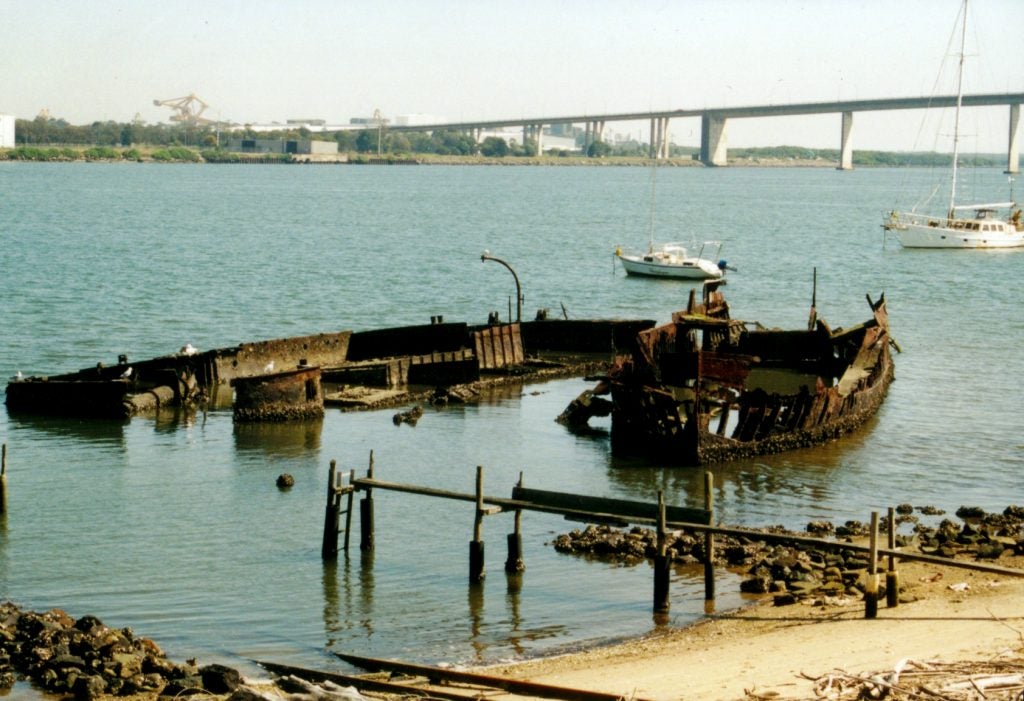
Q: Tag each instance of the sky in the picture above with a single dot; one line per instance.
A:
(261, 61)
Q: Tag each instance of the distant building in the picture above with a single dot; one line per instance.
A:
(417, 120)
(6, 131)
(370, 121)
(296, 146)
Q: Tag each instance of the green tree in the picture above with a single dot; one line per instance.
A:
(366, 142)
(494, 147)
(598, 149)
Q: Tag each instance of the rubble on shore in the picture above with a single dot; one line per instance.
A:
(88, 660)
(798, 572)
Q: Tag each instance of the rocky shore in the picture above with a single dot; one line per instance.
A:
(795, 572)
(86, 659)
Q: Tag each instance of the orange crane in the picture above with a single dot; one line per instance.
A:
(189, 109)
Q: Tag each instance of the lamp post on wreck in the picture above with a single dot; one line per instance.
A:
(486, 256)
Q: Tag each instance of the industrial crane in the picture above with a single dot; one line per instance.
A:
(189, 109)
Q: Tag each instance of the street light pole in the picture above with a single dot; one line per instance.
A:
(486, 256)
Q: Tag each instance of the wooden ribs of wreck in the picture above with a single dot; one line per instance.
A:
(706, 388)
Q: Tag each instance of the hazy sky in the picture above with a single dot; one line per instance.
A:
(260, 61)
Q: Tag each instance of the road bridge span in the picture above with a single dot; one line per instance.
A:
(715, 120)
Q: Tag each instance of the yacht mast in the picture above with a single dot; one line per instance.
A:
(959, 102)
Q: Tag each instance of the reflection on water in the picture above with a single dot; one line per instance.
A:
(513, 600)
(741, 488)
(348, 601)
(285, 438)
(475, 599)
(169, 420)
(106, 432)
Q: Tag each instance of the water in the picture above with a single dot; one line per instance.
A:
(175, 527)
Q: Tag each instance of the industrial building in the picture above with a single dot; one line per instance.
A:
(6, 131)
(295, 146)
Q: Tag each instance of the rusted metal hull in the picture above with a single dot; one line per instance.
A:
(437, 354)
(706, 388)
(289, 395)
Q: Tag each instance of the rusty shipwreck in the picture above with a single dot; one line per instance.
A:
(291, 378)
(707, 388)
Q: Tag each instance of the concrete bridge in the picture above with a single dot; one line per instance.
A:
(715, 121)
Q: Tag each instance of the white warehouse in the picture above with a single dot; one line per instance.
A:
(6, 131)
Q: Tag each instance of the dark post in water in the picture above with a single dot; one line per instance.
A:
(366, 514)
(514, 563)
(661, 562)
(476, 546)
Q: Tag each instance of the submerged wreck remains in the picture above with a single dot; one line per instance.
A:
(293, 378)
(707, 388)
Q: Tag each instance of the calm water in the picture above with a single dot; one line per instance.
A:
(175, 527)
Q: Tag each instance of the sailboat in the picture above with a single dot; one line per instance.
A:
(672, 260)
(985, 229)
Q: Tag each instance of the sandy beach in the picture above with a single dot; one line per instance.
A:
(806, 651)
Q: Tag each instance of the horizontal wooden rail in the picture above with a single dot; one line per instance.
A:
(574, 506)
(631, 513)
(839, 545)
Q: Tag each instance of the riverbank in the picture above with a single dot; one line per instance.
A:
(815, 649)
(953, 631)
(152, 154)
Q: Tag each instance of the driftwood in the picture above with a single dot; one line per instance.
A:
(992, 680)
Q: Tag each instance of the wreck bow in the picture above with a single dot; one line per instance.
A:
(707, 388)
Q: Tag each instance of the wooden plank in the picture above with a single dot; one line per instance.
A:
(514, 686)
(605, 505)
(574, 506)
(362, 683)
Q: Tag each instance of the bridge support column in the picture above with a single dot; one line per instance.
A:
(846, 147)
(713, 142)
(659, 138)
(1013, 152)
(534, 131)
(593, 132)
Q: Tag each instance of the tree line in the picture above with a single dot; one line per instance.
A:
(48, 138)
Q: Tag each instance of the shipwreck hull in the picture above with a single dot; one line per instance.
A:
(706, 389)
(647, 423)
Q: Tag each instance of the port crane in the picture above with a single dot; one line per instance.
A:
(189, 109)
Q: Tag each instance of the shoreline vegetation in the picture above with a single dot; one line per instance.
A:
(768, 157)
(48, 138)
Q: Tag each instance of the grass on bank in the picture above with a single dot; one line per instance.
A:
(761, 157)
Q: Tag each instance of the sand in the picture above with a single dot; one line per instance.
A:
(766, 651)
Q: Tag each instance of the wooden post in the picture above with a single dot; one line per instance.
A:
(709, 545)
(476, 546)
(661, 564)
(366, 513)
(3, 481)
(892, 577)
(514, 563)
(871, 583)
(348, 509)
(329, 549)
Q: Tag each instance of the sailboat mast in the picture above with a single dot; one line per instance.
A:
(650, 213)
(959, 103)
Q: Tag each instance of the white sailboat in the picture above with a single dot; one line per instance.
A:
(671, 260)
(985, 229)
